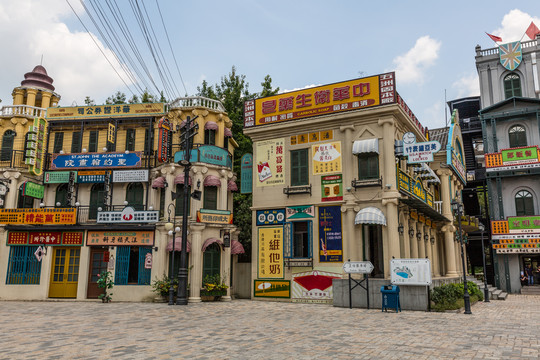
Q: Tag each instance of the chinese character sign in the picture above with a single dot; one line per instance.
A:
(57, 216)
(270, 165)
(522, 155)
(327, 158)
(246, 183)
(96, 160)
(332, 188)
(35, 146)
(119, 238)
(105, 111)
(270, 262)
(330, 236)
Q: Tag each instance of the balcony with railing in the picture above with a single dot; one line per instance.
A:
(12, 159)
(22, 110)
(197, 101)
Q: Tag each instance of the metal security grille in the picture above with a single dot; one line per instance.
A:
(23, 266)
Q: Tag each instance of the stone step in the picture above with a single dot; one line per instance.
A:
(502, 296)
(495, 294)
(530, 290)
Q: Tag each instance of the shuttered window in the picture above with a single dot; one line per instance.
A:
(23, 266)
(76, 142)
(130, 139)
(368, 166)
(210, 197)
(130, 268)
(93, 141)
(299, 167)
(58, 142)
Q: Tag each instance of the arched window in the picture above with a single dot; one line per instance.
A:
(134, 195)
(211, 260)
(210, 197)
(512, 85)
(517, 136)
(97, 199)
(524, 203)
(61, 196)
(7, 145)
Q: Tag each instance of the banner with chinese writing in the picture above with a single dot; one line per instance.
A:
(332, 188)
(270, 159)
(111, 132)
(327, 158)
(130, 176)
(35, 146)
(300, 212)
(312, 137)
(223, 217)
(57, 177)
(32, 189)
(96, 160)
(246, 177)
(516, 225)
(105, 111)
(314, 286)
(49, 238)
(119, 238)
(330, 236)
(320, 100)
(522, 155)
(97, 176)
(272, 288)
(58, 216)
(270, 260)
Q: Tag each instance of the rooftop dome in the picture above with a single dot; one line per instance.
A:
(38, 78)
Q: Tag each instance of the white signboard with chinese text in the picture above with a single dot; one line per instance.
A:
(130, 176)
(410, 272)
(358, 267)
(128, 215)
(419, 152)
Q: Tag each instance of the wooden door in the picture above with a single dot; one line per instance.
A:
(65, 272)
(97, 265)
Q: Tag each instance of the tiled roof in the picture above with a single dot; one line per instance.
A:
(440, 135)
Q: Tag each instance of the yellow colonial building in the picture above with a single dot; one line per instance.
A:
(87, 189)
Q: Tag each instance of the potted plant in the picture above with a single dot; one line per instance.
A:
(163, 285)
(213, 286)
(105, 282)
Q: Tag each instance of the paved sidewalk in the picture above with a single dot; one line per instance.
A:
(244, 329)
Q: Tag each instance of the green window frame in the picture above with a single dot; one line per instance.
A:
(97, 199)
(211, 260)
(135, 196)
(517, 136)
(512, 85)
(93, 141)
(299, 243)
(524, 203)
(210, 137)
(23, 266)
(368, 166)
(58, 142)
(7, 145)
(61, 196)
(130, 269)
(299, 167)
(210, 197)
(130, 139)
(76, 142)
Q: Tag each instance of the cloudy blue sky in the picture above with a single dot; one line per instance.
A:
(430, 45)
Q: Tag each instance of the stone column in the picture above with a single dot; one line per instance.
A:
(414, 243)
(347, 149)
(168, 172)
(13, 186)
(45, 99)
(222, 203)
(427, 244)
(350, 233)
(435, 254)
(405, 237)
(448, 229)
(31, 97)
(420, 241)
(18, 96)
(195, 274)
(226, 269)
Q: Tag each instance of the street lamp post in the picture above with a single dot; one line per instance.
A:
(172, 230)
(486, 291)
(458, 210)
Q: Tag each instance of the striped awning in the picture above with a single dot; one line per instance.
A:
(210, 241)
(159, 182)
(231, 186)
(179, 179)
(427, 173)
(228, 132)
(210, 125)
(365, 146)
(178, 245)
(212, 180)
(237, 248)
(370, 215)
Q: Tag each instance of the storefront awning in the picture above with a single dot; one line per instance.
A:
(210, 125)
(228, 132)
(210, 241)
(212, 180)
(179, 179)
(178, 245)
(231, 186)
(237, 248)
(159, 182)
(370, 215)
(365, 146)
(425, 172)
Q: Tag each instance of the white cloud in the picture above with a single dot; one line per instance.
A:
(302, 88)
(32, 29)
(514, 24)
(467, 85)
(410, 67)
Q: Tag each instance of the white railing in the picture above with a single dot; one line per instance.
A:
(197, 101)
(438, 206)
(495, 51)
(22, 110)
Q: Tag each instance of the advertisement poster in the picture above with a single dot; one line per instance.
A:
(330, 237)
(272, 288)
(332, 187)
(270, 262)
(327, 158)
(270, 162)
(300, 212)
(270, 217)
(313, 286)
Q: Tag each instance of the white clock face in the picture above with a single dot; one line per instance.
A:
(409, 138)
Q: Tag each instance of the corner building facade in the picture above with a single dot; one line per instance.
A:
(329, 187)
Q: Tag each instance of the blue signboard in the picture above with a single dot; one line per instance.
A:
(96, 160)
(271, 217)
(246, 174)
(330, 235)
(208, 154)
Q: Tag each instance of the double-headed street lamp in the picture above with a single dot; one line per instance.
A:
(457, 207)
(486, 291)
(172, 229)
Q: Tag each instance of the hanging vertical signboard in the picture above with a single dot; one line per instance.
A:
(35, 146)
(330, 236)
(164, 127)
(246, 183)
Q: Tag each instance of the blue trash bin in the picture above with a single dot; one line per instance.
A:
(390, 297)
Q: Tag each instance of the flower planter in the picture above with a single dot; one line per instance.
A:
(214, 295)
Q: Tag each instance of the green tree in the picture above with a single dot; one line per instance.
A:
(89, 102)
(134, 100)
(118, 98)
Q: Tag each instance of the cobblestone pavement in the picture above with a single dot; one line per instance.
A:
(244, 329)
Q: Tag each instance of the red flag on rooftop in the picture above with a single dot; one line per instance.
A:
(494, 38)
(532, 31)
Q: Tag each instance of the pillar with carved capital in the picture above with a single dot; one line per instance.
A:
(168, 172)
(13, 186)
(195, 274)
(31, 97)
(222, 204)
(347, 149)
(435, 253)
(405, 237)
(450, 253)
(45, 99)
(413, 242)
(420, 241)
(18, 96)
(390, 234)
